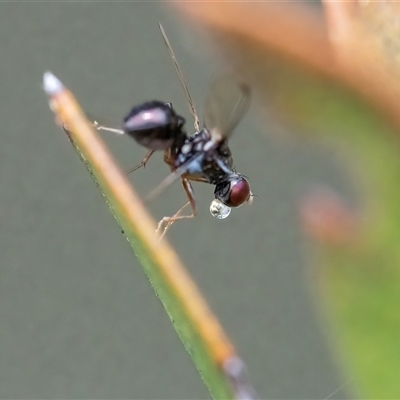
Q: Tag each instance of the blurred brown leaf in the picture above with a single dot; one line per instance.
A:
(356, 42)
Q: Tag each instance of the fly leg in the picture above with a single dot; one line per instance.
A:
(142, 163)
(166, 222)
(99, 127)
(169, 224)
(120, 131)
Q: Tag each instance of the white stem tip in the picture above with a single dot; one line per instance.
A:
(51, 84)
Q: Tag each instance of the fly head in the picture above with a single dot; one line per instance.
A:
(233, 191)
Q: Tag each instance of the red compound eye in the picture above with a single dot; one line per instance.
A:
(239, 193)
(233, 192)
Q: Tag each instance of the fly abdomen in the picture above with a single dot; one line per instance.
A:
(154, 124)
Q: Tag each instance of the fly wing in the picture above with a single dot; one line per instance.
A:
(181, 79)
(226, 103)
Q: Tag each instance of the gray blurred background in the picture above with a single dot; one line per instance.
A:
(78, 318)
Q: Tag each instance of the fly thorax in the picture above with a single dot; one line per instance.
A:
(208, 161)
(191, 146)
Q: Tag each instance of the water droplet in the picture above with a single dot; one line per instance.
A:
(219, 210)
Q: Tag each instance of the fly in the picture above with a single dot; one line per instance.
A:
(203, 156)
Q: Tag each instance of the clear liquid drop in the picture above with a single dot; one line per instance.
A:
(219, 210)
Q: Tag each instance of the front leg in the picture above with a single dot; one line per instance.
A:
(166, 222)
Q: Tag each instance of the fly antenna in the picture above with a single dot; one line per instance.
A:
(181, 79)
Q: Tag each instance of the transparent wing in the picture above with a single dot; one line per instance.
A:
(181, 79)
(226, 103)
